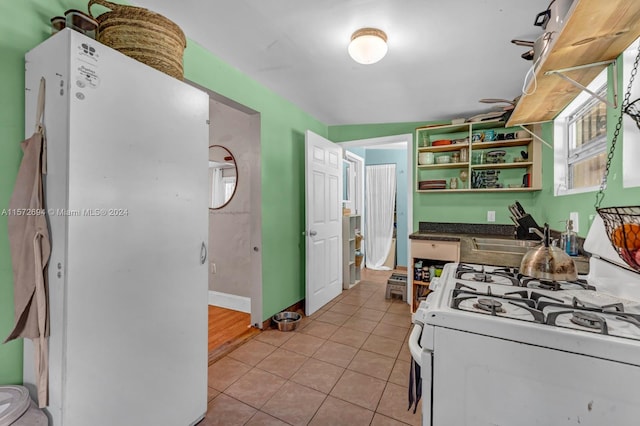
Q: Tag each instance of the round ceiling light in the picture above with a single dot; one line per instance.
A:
(368, 45)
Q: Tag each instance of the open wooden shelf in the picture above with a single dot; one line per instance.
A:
(500, 144)
(519, 189)
(595, 31)
(444, 165)
(443, 148)
(518, 165)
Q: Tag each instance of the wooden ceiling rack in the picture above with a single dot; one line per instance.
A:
(595, 33)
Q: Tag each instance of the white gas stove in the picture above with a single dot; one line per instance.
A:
(498, 348)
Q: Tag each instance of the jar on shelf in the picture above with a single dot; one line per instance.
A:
(455, 157)
(417, 271)
(425, 274)
(464, 155)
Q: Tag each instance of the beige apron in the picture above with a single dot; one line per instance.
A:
(30, 249)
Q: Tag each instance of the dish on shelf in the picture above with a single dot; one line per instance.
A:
(441, 142)
(496, 156)
(463, 141)
(443, 159)
(432, 184)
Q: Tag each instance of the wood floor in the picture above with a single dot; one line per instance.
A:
(227, 330)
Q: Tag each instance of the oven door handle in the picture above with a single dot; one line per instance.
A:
(414, 343)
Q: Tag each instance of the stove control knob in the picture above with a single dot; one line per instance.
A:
(421, 313)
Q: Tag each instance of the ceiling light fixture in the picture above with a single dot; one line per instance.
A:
(368, 45)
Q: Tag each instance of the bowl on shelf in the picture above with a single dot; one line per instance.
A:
(441, 142)
(443, 159)
(425, 158)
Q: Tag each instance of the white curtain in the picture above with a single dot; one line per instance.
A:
(217, 187)
(380, 196)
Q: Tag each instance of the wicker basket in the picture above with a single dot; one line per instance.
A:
(142, 35)
(623, 228)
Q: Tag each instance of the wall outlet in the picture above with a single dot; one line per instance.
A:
(491, 216)
(575, 218)
(214, 269)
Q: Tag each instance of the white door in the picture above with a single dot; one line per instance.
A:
(323, 167)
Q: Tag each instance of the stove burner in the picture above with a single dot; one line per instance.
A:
(544, 284)
(483, 277)
(587, 319)
(489, 305)
(612, 307)
(547, 285)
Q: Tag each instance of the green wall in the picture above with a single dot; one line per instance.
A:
(447, 207)
(24, 24)
(543, 205)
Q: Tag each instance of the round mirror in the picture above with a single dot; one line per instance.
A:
(223, 176)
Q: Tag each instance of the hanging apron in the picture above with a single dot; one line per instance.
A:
(30, 249)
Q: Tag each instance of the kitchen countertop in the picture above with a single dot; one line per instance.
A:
(464, 233)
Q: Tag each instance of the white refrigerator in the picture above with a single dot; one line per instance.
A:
(126, 193)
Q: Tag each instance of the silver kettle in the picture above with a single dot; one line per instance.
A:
(548, 262)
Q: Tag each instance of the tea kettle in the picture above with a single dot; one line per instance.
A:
(548, 262)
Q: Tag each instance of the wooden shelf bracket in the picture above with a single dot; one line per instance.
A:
(547, 144)
(560, 73)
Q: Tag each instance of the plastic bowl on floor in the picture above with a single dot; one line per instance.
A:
(287, 321)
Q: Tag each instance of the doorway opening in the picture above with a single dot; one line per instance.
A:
(397, 150)
(235, 225)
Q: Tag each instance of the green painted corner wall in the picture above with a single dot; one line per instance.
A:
(282, 130)
(24, 24)
(456, 208)
(543, 205)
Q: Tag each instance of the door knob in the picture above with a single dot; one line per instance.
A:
(312, 233)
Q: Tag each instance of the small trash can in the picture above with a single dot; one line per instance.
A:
(18, 409)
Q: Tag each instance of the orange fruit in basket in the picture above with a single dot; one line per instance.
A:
(627, 236)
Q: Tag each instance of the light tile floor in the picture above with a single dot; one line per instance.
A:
(347, 364)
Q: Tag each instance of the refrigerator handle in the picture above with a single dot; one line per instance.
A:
(203, 253)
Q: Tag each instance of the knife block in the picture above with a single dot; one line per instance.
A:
(522, 231)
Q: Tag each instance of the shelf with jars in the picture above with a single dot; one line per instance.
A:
(477, 156)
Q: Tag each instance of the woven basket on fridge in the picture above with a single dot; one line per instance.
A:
(142, 35)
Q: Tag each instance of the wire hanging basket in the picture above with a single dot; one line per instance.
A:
(633, 111)
(623, 228)
(622, 224)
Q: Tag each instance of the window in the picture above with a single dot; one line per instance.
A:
(580, 141)
(229, 186)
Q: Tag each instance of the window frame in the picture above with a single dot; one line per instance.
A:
(564, 156)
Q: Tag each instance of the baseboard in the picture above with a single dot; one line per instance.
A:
(230, 301)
